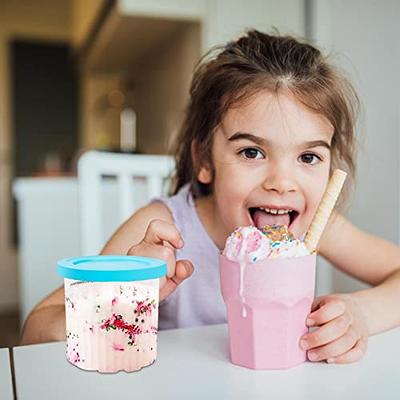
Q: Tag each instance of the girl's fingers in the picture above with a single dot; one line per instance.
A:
(162, 252)
(160, 241)
(326, 333)
(159, 232)
(336, 348)
(317, 303)
(167, 254)
(183, 269)
(353, 355)
(328, 310)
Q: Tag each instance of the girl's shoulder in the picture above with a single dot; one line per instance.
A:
(154, 210)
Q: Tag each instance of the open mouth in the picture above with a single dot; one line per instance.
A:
(262, 216)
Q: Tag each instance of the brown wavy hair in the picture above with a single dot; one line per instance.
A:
(259, 61)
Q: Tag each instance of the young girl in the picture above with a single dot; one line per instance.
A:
(268, 120)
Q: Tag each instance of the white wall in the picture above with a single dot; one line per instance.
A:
(365, 34)
(229, 19)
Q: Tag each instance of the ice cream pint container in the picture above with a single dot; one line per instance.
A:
(111, 310)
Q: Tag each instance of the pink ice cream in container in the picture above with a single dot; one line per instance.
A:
(111, 307)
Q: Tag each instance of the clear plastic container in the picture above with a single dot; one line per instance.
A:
(111, 305)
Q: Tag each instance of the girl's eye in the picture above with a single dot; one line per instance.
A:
(252, 153)
(310, 158)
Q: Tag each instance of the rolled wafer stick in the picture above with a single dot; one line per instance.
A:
(324, 210)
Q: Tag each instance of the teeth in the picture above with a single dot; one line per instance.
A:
(274, 210)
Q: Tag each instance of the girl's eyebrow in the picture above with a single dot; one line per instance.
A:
(262, 141)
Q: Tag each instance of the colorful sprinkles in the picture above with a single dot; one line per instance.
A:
(250, 244)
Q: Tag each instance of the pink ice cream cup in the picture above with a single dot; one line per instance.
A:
(266, 323)
(111, 307)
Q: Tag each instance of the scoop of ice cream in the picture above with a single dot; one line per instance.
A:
(247, 244)
(283, 243)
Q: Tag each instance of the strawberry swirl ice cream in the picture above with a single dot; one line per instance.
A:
(111, 309)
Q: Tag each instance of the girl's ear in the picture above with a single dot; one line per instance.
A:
(203, 171)
(204, 175)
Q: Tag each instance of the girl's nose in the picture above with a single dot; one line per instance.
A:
(280, 179)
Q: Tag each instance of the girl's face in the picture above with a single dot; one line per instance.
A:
(271, 160)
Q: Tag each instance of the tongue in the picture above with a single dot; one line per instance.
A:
(262, 218)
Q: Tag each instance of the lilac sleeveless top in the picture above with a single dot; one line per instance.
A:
(197, 300)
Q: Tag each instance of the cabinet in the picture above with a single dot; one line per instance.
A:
(84, 16)
(144, 51)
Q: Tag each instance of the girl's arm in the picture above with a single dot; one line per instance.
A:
(46, 322)
(358, 253)
(371, 260)
(345, 321)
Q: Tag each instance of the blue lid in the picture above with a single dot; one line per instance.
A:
(111, 268)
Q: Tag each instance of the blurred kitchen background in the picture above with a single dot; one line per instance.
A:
(73, 72)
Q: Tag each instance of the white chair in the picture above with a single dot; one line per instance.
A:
(137, 176)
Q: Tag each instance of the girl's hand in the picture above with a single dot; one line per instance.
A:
(161, 240)
(342, 334)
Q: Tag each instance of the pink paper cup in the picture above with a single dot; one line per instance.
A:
(278, 294)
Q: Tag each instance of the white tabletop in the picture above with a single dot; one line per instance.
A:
(6, 391)
(194, 364)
